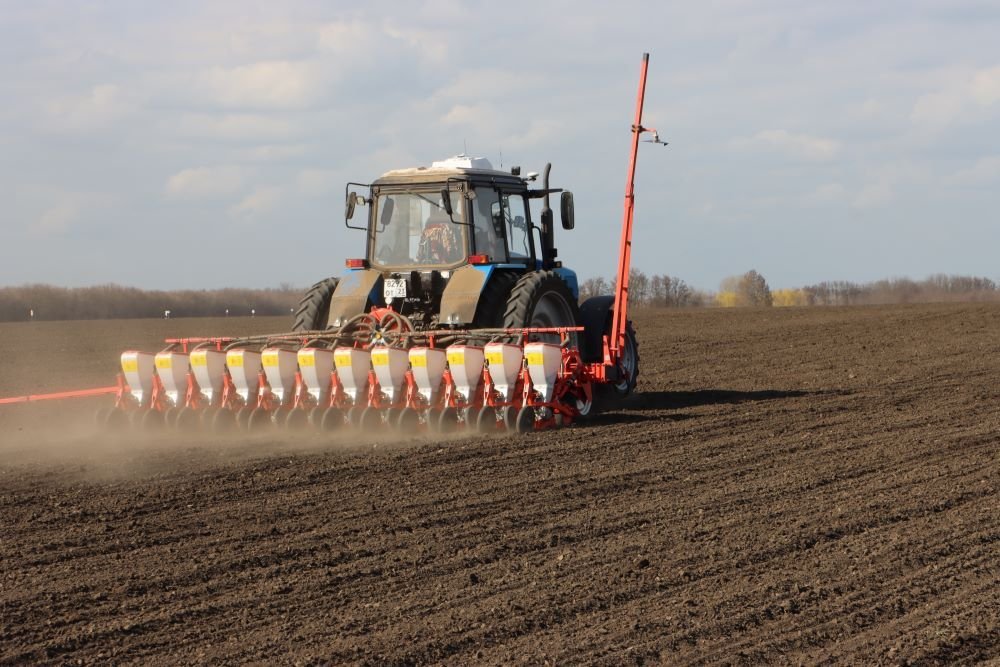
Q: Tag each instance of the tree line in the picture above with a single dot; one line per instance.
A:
(658, 290)
(47, 302)
(752, 289)
(938, 287)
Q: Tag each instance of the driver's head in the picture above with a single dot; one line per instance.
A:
(438, 217)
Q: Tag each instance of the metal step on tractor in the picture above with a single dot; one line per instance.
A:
(460, 315)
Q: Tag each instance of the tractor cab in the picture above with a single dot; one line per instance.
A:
(456, 212)
(459, 220)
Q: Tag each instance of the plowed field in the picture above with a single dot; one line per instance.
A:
(789, 486)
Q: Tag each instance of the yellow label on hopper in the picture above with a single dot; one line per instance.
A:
(130, 365)
(164, 363)
(418, 360)
(270, 358)
(234, 359)
(380, 358)
(307, 359)
(342, 359)
(534, 358)
(456, 357)
(494, 357)
(199, 358)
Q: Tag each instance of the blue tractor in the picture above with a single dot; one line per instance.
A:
(453, 246)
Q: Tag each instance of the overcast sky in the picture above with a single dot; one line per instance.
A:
(206, 144)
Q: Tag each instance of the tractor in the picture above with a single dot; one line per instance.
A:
(460, 314)
(453, 247)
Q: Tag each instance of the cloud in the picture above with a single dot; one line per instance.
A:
(205, 182)
(367, 40)
(881, 183)
(315, 182)
(296, 93)
(258, 202)
(235, 127)
(488, 84)
(941, 108)
(985, 86)
(802, 146)
(963, 96)
(62, 210)
(281, 84)
(986, 171)
(827, 193)
(98, 108)
(870, 109)
(874, 194)
(432, 45)
(56, 221)
(272, 152)
(345, 36)
(479, 115)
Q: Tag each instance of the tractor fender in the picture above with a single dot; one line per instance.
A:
(353, 294)
(461, 295)
(595, 318)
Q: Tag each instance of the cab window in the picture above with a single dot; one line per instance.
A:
(413, 230)
(511, 214)
(488, 225)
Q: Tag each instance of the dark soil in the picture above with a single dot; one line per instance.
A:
(789, 486)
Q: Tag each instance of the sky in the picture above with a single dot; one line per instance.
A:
(199, 144)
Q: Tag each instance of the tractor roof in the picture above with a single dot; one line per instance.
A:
(454, 167)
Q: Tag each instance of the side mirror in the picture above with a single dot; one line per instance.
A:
(446, 201)
(566, 210)
(387, 207)
(352, 201)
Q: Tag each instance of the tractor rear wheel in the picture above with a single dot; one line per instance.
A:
(542, 299)
(314, 308)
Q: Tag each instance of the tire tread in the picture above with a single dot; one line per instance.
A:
(314, 307)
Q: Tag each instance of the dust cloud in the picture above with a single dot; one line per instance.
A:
(67, 438)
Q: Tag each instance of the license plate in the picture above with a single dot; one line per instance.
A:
(394, 288)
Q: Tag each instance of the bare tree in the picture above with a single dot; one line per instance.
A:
(638, 288)
(657, 291)
(594, 287)
(754, 290)
(677, 294)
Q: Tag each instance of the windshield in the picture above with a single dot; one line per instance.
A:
(412, 230)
